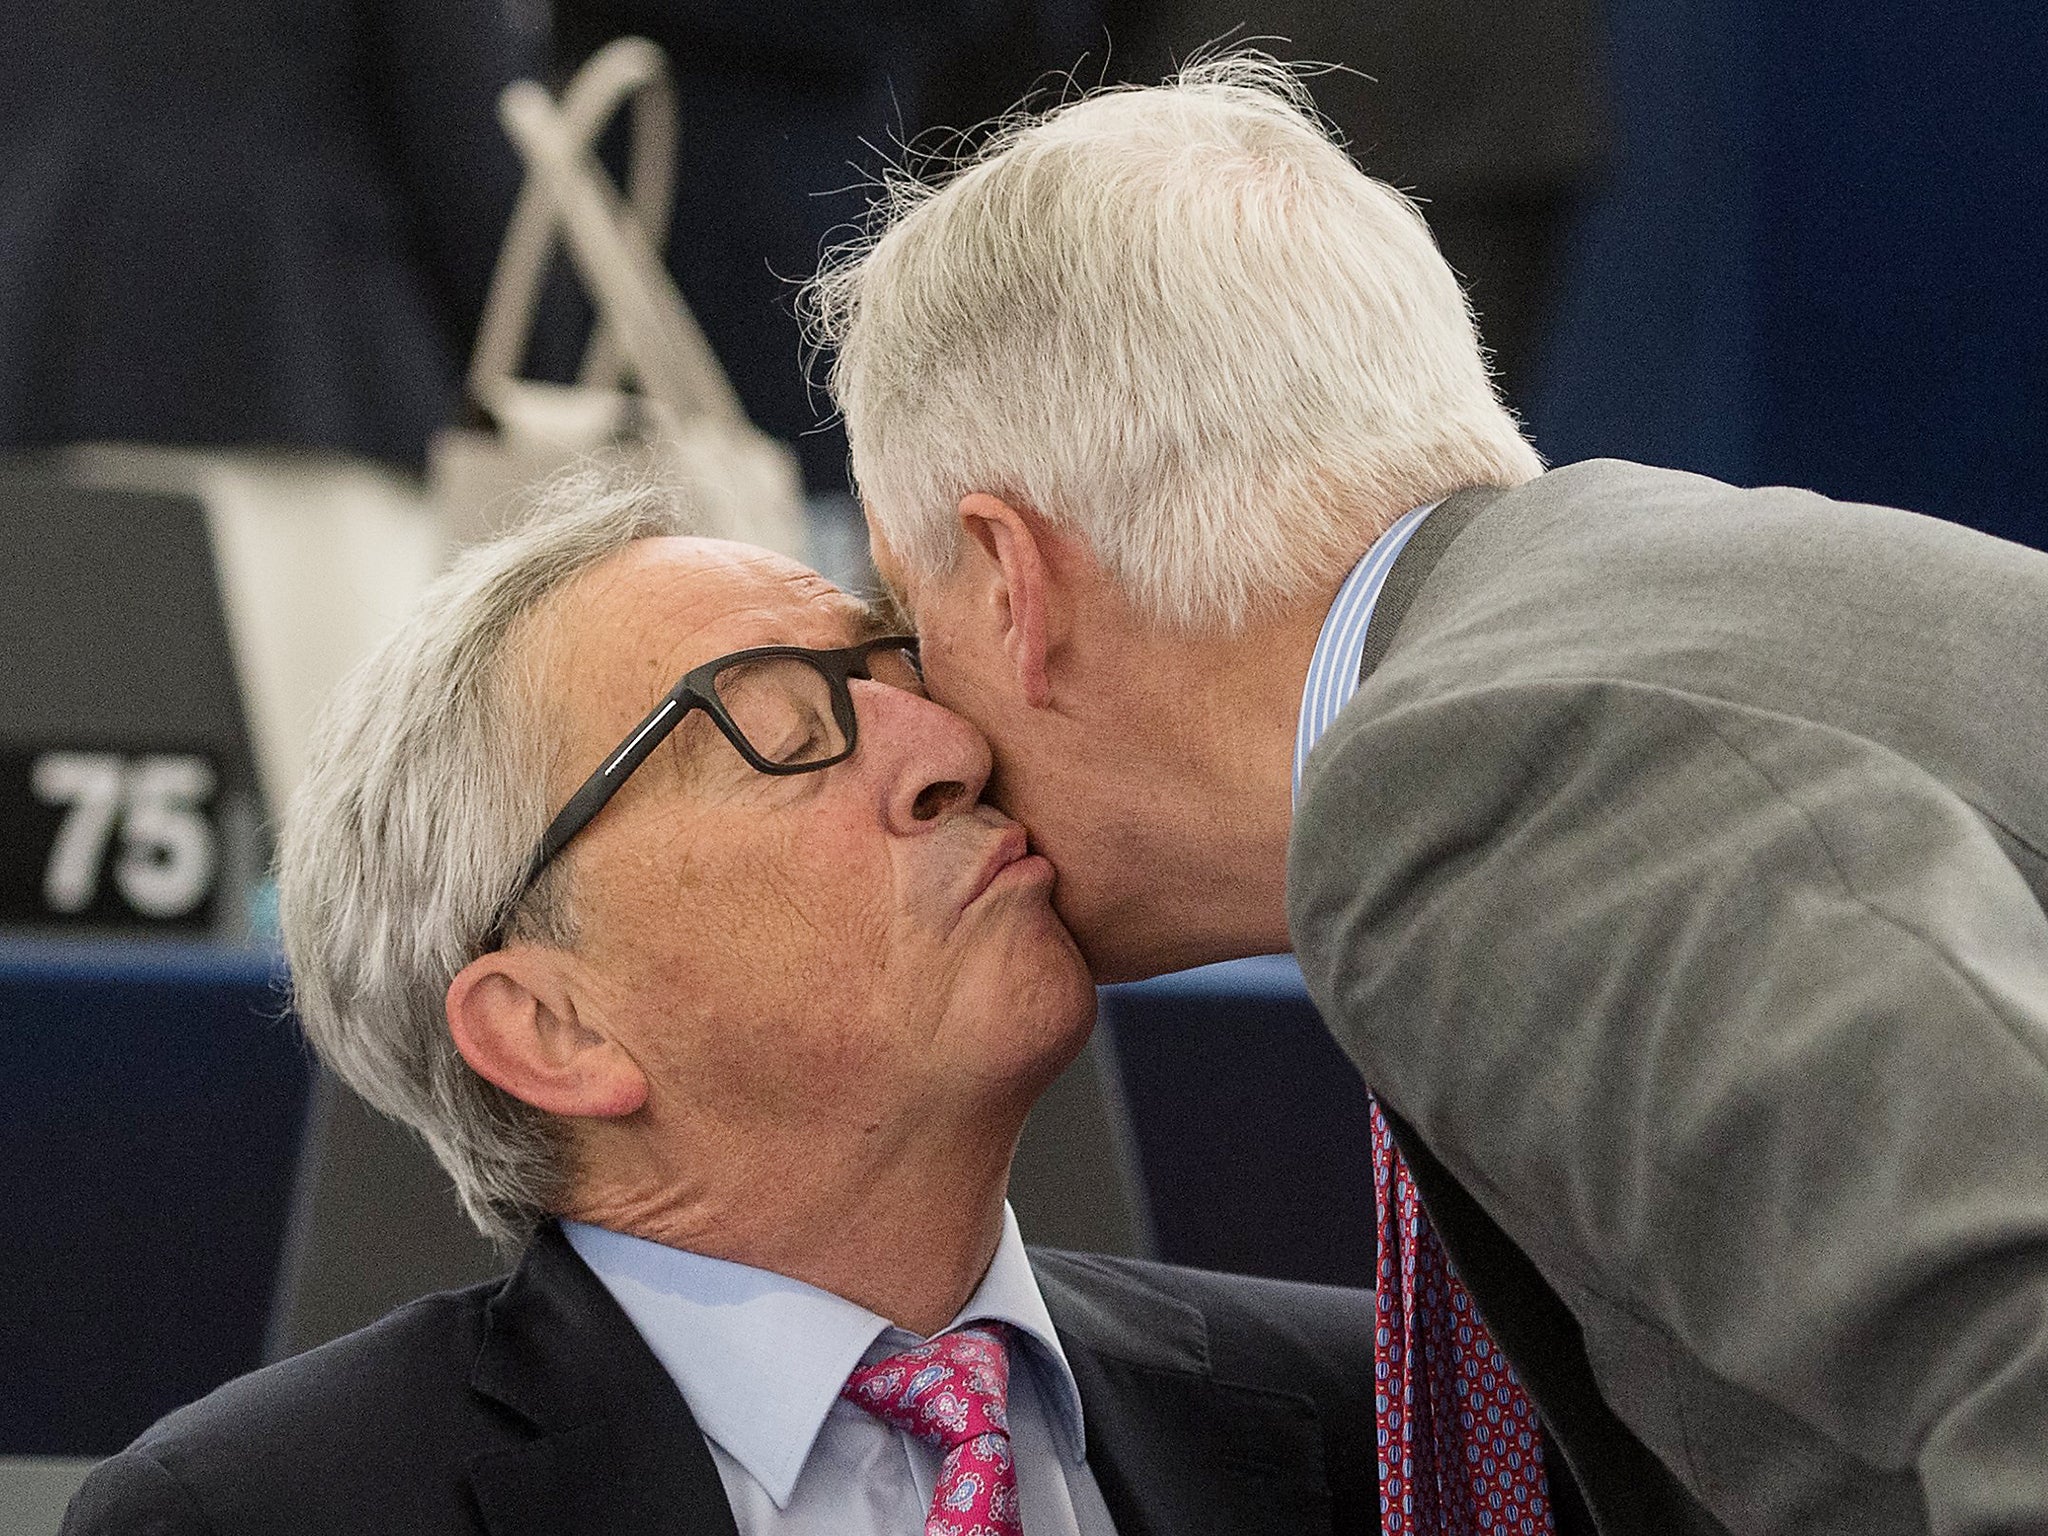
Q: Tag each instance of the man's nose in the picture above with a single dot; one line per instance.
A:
(931, 761)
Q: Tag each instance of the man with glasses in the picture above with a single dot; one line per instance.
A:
(726, 998)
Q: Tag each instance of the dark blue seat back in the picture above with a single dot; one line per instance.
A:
(154, 1103)
(1248, 1123)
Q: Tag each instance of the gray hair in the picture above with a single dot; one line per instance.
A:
(425, 796)
(1177, 320)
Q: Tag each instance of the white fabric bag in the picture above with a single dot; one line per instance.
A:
(681, 418)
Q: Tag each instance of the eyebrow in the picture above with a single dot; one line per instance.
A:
(694, 741)
(885, 614)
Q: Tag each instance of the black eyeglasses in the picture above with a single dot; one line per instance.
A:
(785, 709)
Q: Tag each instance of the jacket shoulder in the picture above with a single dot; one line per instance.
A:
(1283, 1335)
(373, 1430)
(133, 1492)
(418, 1355)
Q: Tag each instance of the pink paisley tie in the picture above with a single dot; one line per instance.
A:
(1459, 1446)
(953, 1392)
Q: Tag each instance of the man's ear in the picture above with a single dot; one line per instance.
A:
(1022, 586)
(514, 1022)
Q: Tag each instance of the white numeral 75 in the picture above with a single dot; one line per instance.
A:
(167, 857)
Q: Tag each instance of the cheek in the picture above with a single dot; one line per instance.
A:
(973, 690)
(781, 929)
(1020, 783)
(788, 909)
(770, 977)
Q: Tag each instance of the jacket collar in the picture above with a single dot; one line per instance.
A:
(760, 1358)
(1414, 562)
(1175, 1447)
(616, 1449)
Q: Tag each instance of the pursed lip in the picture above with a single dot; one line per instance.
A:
(1013, 845)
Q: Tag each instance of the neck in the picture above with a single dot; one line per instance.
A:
(905, 1231)
(1210, 730)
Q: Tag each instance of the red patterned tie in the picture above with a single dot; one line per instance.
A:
(1460, 1452)
(953, 1392)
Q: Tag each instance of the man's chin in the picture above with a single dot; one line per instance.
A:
(1022, 1009)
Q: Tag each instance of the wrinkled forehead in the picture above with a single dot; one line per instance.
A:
(619, 635)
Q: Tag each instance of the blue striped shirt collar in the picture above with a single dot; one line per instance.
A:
(1340, 648)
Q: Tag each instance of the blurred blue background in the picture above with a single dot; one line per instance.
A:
(1817, 257)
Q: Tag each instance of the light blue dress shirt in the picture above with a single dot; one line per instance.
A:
(1340, 647)
(760, 1359)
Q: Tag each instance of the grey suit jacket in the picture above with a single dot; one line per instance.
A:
(1677, 879)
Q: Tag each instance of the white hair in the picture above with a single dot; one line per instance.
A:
(425, 797)
(1176, 320)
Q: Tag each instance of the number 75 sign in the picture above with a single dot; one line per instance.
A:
(109, 838)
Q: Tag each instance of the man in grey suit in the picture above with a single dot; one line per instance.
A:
(1671, 859)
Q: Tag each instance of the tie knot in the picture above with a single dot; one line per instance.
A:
(948, 1391)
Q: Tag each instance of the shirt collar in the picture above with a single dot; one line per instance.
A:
(760, 1358)
(1340, 647)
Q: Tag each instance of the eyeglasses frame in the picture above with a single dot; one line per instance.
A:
(695, 691)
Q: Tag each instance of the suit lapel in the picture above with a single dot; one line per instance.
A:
(1529, 1323)
(1607, 1480)
(1173, 1449)
(615, 1451)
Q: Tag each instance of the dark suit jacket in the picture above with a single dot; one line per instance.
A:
(1677, 878)
(530, 1406)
